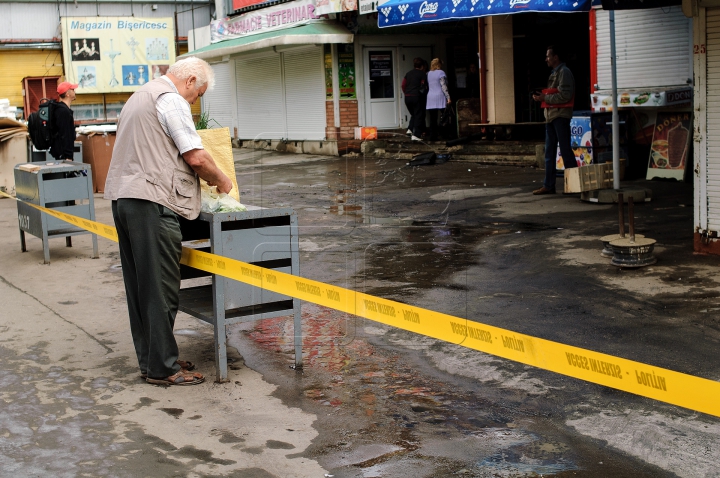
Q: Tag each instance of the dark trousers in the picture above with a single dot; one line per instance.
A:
(416, 107)
(434, 127)
(150, 248)
(557, 131)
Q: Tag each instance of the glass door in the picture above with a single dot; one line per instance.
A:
(380, 88)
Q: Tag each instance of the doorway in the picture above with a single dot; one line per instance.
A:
(385, 67)
(406, 55)
(380, 87)
(532, 34)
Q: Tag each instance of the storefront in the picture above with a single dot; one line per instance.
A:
(270, 71)
(654, 81)
(509, 48)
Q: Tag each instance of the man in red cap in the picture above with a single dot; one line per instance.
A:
(63, 123)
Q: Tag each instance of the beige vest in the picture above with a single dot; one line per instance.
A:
(145, 163)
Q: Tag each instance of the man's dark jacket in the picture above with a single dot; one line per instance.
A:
(63, 130)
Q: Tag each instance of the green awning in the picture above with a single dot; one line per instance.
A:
(312, 33)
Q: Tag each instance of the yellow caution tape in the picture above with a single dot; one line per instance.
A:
(661, 384)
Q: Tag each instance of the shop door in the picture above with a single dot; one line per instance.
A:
(260, 99)
(653, 48)
(381, 100)
(304, 93)
(405, 60)
(709, 213)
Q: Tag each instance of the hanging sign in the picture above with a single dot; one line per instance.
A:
(116, 54)
(278, 17)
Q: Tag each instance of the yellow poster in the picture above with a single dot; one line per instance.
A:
(116, 54)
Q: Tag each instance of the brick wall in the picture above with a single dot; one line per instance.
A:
(348, 120)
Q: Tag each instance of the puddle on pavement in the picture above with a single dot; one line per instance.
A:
(383, 399)
(424, 255)
(517, 461)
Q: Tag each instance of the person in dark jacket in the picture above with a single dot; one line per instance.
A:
(414, 85)
(558, 100)
(63, 123)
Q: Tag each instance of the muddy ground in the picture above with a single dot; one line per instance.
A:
(470, 240)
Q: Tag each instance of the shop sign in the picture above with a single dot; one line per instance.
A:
(116, 54)
(670, 145)
(370, 6)
(638, 98)
(238, 4)
(278, 17)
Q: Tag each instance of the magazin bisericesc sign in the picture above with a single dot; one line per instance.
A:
(116, 54)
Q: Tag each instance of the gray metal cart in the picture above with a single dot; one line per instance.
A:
(63, 186)
(259, 236)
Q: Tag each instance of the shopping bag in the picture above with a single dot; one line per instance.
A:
(217, 142)
(448, 116)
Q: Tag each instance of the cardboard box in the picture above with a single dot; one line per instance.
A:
(97, 151)
(366, 132)
(590, 178)
(12, 152)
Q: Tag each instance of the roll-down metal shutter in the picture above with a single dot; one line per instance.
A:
(713, 119)
(304, 93)
(217, 103)
(260, 98)
(654, 48)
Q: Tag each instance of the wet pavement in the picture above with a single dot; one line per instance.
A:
(470, 240)
(460, 238)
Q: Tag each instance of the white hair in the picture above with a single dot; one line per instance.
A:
(192, 66)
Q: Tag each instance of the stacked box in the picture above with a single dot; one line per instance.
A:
(589, 178)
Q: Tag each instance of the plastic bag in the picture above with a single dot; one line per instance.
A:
(214, 202)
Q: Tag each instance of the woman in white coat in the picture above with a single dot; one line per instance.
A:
(438, 96)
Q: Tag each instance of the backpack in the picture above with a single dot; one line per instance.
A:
(39, 124)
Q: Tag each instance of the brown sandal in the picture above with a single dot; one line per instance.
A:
(183, 377)
(184, 365)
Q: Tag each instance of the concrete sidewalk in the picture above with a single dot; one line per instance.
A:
(73, 400)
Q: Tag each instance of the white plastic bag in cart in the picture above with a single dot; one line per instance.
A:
(214, 202)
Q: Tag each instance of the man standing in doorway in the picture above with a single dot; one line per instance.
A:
(558, 101)
(62, 144)
(153, 179)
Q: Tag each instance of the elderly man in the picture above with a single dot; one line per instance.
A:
(153, 179)
(558, 101)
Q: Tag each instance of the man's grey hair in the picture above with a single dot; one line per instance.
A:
(191, 66)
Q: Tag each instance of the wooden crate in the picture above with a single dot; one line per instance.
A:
(589, 178)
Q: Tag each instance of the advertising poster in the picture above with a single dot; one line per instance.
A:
(328, 72)
(346, 71)
(323, 7)
(581, 142)
(670, 145)
(116, 54)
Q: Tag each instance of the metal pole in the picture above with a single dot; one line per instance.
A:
(631, 220)
(621, 215)
(615, 113)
